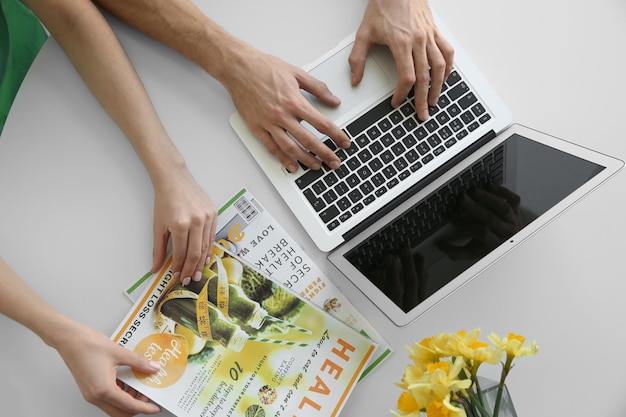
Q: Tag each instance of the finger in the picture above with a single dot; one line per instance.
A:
(317, 88)
(276, 151)
(136, 394)
(208, 236)
(112, 411)
(138, 362)
(179, 234)
(407, 66)
(120, 402)
(312, 116)
(213, 230)
(159, 250)
(323, 125)
(357, 58)
(315, 146)
(195, 249)
(292, 148)
(437, 72)
(422, 83)
(447, 51)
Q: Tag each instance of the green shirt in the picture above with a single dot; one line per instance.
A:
(21, 37)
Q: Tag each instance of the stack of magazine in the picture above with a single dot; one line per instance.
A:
(263, 333)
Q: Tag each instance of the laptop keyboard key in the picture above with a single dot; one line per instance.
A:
(308, 178)
(329, 214)
(343, 204)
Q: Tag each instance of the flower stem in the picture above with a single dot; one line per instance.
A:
(505, 371)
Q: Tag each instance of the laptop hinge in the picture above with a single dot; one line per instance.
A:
(420, 185)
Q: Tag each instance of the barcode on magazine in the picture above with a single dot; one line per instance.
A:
(247, 210)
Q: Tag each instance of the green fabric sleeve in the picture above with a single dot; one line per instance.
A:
(21, 38)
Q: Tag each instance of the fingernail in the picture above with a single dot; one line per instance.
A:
(207, 260)
(197, 276)
(292, 168)
(176, 275)
(315, 166)
(186, 281)
(334, 164)
(155, 365)
(424, 115)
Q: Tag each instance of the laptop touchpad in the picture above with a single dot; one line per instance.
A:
(335, 72)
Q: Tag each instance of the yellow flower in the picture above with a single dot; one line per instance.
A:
(485, 353)
(412, 375)
(407, 404)
(461, 343)
(422, 353)
(439, 382)
(514, 345)
(444, 409)
(473, 350)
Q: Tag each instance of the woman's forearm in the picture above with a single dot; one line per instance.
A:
(94, 50)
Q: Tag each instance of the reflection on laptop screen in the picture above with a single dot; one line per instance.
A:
(430, 244)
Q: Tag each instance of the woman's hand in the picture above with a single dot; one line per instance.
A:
(183, 211)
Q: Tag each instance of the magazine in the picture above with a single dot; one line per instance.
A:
(246, 228)
(250, 231)
(239, 343)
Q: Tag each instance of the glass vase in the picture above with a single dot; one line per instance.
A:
(488, 396)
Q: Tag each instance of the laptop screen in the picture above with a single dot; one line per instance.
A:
(442, 235)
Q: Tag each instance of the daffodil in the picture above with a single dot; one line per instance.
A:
(442, 380)
(513, 345)
(407, 406)
(444, 409)
(422, 353)
(412, 375)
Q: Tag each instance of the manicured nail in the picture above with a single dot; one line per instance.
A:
(155, 365)
(207, 260)
(176, 275)
(186, 281)
(197, 276)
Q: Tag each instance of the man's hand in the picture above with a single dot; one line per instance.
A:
(423, 57)
(266, 92)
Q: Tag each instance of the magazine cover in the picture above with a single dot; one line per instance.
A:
(238, 343)
(247, 229)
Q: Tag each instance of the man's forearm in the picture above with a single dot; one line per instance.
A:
(183, 27)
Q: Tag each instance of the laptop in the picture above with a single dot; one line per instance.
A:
(417, 208)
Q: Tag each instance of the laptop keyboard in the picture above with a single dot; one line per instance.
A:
(388, 146)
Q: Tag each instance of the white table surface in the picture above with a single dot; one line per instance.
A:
(76, 204)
